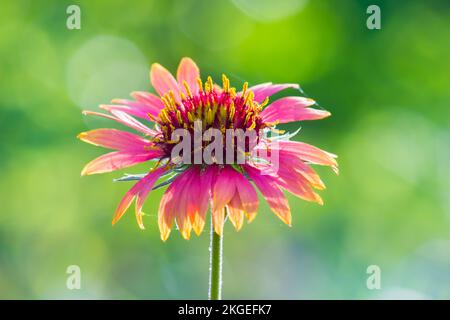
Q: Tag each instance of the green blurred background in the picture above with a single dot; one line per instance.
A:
(388, 91)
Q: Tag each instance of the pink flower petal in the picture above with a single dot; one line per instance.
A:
(124, 204)
(193, 199)
(294, 163)
(271, 192)
(189, 72)
(247, 196)
(236, 212)
(125, 108)
(140, 190)
(162, 80)
(124, 119)
(149, 99)
(295, 183)
(118, 160)
(264, 90)
(165, 215)
(306, 152)
(224, 188)
(223, 191)
(115, 139)
(134, 108)
(291, 109)
(192, 205)
(200, 195)
(186, 202)
(147, 184)
(169, 205)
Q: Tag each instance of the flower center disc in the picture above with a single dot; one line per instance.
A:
(206, 114)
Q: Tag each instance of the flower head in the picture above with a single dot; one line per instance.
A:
(199, 116)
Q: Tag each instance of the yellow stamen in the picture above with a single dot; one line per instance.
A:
(264, 103)
(232, 110)
(247, 117)
(209, 117)
(172, 98)
(188, 90)
(226, 83)
(200, 84)
(272, 124)
(152, 117)
(249, 97)
(163, 116)
(190, 116)
(165, 102)
(150, 147)
(209, 84)
(278, 131)
(244, 88)
(179, 117)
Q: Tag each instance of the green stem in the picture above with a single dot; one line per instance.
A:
(215, 265)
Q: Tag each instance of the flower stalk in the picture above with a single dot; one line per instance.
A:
(215, 265)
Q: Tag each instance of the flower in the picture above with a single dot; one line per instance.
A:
(185, 102)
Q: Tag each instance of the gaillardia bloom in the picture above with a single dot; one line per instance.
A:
(227, 187)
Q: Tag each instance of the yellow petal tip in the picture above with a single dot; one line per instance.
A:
(165, 235)
(155, 65)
